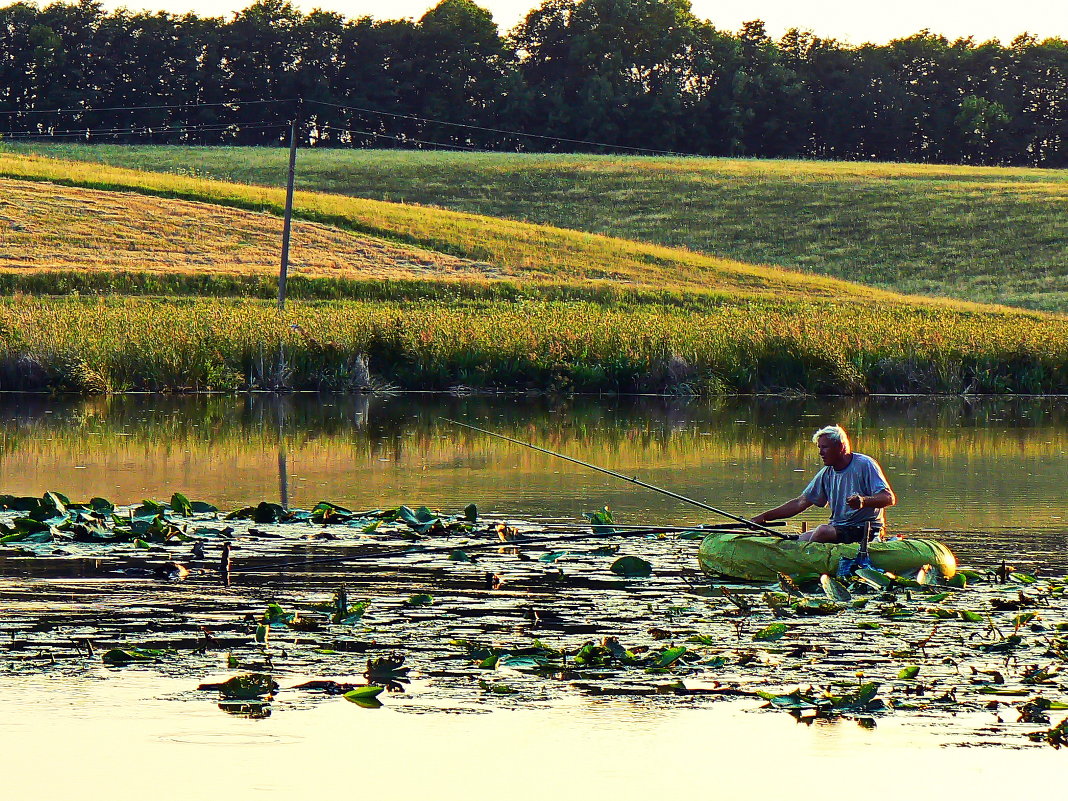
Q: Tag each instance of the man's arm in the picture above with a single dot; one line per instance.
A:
(788, 509)
(880, 500)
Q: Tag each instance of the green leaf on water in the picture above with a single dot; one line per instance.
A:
(262, 633)
(960, 581)
(939, 597)
(632, 567)
(968, 616)
(552, 557)
(834, 589)
(471, 513)
(459, 556)
(669, 656)
(909, 673)
(776, 631)
(873, 578)
(868, 625)
(180, 505)
(420, 600)
(248, 686)
(367, 691)
(127, 656)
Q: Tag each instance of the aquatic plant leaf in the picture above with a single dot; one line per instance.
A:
(670, 656)
(56, 501)
(276, 615)
(604, 550)
(796, 699)
(816, 606)
(968, 616)
(244, 513)
(632, 567)
(601, 522)
(248, 686)
(1023, 578)
(869, 625)
(367, 691)
(521, 663)
(861, 698)
(909, 673)
(874, 578)
(789, 586)
(834, 589)
(202, 508)
(939, 597)
(263, 631)
(127, 656)
(960, 581)
(101, 506)
(422, 599)
(552, 557)
(18, 503)
(460, 556)
(181, 505)
(471, 513)
(268, 513)
(776, 631)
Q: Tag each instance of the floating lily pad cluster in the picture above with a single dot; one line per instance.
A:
(521, 620)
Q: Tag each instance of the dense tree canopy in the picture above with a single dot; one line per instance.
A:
(573, 75)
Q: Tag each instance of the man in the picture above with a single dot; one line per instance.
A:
(852, 483)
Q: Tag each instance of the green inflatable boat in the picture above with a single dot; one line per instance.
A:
(762, 558)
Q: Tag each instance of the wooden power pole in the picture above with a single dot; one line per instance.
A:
(288, 221)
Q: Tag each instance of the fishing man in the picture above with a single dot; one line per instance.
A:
(851, 483)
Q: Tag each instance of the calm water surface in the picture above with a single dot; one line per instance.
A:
(987, 475)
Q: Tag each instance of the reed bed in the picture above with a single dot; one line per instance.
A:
(91, 345)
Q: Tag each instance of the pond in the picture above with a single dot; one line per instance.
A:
(985, 476)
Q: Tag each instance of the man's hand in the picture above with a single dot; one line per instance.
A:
(760, 520)
(855, 502)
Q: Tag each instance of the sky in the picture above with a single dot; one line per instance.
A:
(849, 21)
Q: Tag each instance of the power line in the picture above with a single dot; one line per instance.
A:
(83, 110)
(403, 139)
(500, 130)
(141, 130)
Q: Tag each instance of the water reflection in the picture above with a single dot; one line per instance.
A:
(990, 471)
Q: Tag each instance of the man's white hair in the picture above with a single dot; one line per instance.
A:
(835, 433)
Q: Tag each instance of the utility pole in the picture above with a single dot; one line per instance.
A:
(288, 221)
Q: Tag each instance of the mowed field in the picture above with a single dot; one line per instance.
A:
(991, 235)
(430, 298)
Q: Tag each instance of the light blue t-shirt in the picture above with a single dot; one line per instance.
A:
(862, 476)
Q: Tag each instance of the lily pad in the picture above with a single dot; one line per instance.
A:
(632, 567)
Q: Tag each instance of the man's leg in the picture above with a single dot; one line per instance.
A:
(824, 533)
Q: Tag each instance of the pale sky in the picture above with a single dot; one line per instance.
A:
(856, 21)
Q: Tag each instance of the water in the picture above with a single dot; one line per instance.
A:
(990, 473)
(987, 475)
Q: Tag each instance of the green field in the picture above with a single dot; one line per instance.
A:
(990, 235)
(490, 303)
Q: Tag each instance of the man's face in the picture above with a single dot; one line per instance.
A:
(831, 451)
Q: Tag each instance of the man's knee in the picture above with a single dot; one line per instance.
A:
(824, 533)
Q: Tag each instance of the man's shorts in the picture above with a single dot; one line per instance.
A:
(848, 534)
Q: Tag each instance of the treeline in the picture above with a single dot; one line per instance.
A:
(574, 75)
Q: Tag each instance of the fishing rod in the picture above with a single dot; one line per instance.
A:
(747, 523)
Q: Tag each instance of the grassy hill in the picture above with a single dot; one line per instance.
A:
(991, 235)
(490, 302)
